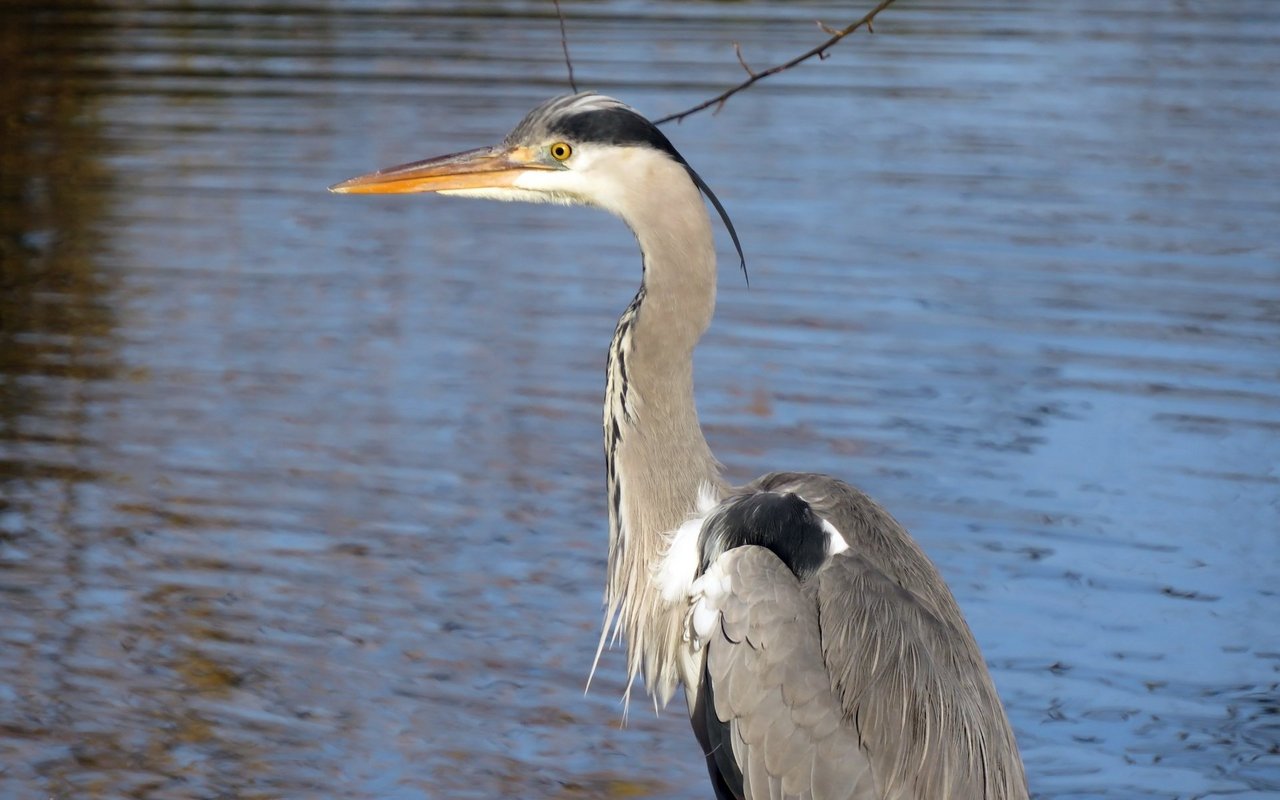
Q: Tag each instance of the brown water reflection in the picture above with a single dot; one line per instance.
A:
(300, 497)
(55, 323)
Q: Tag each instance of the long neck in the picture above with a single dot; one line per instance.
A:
(657, 458)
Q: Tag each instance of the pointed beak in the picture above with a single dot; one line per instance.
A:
(483, 168)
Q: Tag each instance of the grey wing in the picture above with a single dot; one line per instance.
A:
(926, 711)
(862, 681)
(905, 663)
(766, 681)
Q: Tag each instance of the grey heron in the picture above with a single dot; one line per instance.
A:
(821, 654)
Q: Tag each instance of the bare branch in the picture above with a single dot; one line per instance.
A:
(564, 45)
(820, 51)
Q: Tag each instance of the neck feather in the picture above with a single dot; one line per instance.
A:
(657, 458)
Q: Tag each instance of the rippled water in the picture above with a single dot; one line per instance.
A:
(301, 495)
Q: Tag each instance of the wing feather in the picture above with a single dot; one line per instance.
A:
(927, 712)
(773, 690)
(862, 682)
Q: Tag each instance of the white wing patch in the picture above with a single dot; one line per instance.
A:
(835, 541)
(679, 565)
(706, 594)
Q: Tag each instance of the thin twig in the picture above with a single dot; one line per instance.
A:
(564, 45)
(737, 48)
(820, 51)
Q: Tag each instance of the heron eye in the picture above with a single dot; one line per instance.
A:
(561, 151)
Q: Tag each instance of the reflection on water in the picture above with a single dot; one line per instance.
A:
(301, 497)
(56, 326)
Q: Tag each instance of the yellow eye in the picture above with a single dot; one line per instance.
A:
(561, 151)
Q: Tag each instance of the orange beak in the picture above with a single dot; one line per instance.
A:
(483, 168)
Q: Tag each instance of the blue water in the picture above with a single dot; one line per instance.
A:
(302, 495)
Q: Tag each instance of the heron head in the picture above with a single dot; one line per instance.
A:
(580, 149)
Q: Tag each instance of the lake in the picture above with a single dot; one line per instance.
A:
(302, 496)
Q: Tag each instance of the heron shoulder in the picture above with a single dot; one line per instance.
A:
(873, 534)
(781, 522)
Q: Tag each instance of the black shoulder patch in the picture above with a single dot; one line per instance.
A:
(782, 523)
(617, 126)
